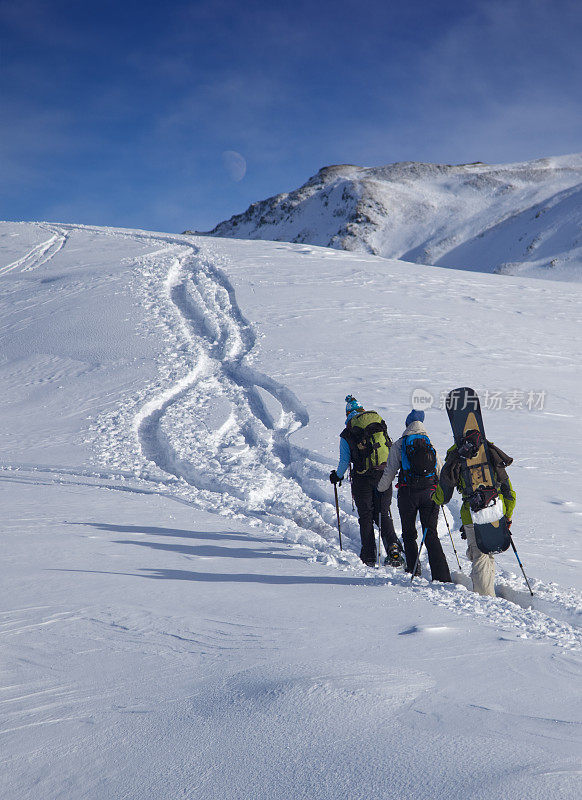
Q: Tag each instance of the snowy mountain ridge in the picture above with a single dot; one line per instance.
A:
(521, 218)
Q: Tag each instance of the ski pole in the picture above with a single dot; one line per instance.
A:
(520, 564)
(379, 536)
(339, 530)
(451, 535)
(376, 504)
(418, 556)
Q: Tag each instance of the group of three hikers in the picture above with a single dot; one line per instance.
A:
(421, 491)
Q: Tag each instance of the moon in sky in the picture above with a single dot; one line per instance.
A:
(234, 164)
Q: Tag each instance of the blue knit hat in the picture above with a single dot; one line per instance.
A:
(414, 416)
(351, 404)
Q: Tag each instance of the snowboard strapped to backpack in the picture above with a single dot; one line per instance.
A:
(480, 466)
(369, 441)
(418, 462)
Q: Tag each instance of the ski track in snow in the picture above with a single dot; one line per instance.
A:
(40, 253)
(214, 432)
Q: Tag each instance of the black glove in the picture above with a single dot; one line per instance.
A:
(508, 521)
(334, 477)
(463, 534)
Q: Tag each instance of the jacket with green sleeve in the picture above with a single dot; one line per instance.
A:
(450, 476)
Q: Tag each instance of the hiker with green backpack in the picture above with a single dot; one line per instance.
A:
(365, 444)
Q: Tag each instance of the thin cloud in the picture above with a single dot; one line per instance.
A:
(42, 21)
(508, 47)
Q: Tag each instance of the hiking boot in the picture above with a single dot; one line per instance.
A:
(417, 571)
(394, 557)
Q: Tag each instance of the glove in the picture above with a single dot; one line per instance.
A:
(334, 477)
(463, 534)
(508, 521)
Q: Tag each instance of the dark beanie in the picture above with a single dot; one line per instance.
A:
(415, 416)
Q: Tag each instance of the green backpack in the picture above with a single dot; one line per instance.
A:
(371, 443)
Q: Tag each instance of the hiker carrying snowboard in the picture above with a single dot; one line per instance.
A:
(482, 564)
(365, 444)
(415, 460)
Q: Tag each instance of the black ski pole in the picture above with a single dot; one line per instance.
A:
(339, 530)
(418, 556)
(379, 536)
(451, 535)
(520, 564)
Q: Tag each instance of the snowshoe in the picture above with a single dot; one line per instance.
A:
(394, 557)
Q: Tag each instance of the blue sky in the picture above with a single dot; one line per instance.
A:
(120, 113)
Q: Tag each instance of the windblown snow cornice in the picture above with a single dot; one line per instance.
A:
(514, 218)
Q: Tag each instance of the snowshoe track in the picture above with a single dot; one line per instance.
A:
(246, 455)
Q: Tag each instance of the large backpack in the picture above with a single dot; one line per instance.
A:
(418, 462)
(370, 441)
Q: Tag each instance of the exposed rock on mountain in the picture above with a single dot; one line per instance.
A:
(515, 218)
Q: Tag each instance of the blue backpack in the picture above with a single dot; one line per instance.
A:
(418, 459)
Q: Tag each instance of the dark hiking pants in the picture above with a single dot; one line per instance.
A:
(410, 503)
(371, 504)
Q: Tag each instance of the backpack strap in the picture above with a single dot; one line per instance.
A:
(451, 472)
(351, 436)
(500, 461)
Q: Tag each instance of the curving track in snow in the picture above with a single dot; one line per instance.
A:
(40, 253)
(244, 454)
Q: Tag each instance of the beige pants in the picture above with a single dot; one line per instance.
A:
(482, 565)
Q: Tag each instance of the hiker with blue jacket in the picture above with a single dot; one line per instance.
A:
(415, 461)
(364, 449)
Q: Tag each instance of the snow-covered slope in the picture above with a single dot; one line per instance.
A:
(177, 619)
(521, 218)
